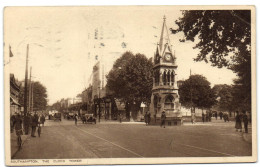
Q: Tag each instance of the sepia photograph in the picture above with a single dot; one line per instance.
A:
(88, 85)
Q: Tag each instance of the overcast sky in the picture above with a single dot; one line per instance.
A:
(63, 48)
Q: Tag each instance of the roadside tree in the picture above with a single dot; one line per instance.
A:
(224, 39)
(131, 79)
(196, 92)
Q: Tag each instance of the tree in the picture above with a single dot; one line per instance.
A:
(224, 39)
(196, 92)
(225, 97)
(39, 96)
(131, 79)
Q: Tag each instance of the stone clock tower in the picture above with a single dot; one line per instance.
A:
(165, 95)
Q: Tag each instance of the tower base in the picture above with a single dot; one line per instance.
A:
(170, 121)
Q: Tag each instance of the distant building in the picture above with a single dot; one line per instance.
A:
(15, 87)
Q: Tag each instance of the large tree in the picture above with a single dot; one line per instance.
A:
(225, 97)
(224, 39)
(39, 96)
(131, 79)
(196, 92)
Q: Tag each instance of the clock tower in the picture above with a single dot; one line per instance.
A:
(165, 95)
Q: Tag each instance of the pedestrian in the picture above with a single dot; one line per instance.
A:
(149, 117)
(76, 119)
(34, 124)
(12, 121)
(238, 125)
(42, 119)
(203, 117)
(210, 116)
(163, 118)
(39, 130)
(207, 116)
(245, 120)
(18, 129)
(146, 119)
(216, 115)
(18, 124)
(220, 115)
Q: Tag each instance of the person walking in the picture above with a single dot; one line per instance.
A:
(34, 125)
(146, 119)
(245, 121)
(238, 125)
(163, 118)
(203, 117)
(216, 115)
(149, 117)
(42, 119)
(18, 129)
(76, 119)
(220, 115)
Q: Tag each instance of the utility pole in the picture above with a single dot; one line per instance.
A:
(25, 84)
(26, 117)
(191, 93)
(30, 90)
(32, 98)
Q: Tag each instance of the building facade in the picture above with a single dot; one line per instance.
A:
(15, 107)
(165, 95)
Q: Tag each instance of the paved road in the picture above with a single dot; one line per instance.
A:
(114, 140)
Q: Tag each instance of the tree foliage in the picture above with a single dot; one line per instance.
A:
(225, 97)
(131, 79)
(39, 96)
(224, 39)
(196, 92)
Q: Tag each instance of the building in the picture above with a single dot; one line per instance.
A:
(15, 87)
(165, 95)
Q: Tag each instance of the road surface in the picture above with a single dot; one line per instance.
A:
(132, 140)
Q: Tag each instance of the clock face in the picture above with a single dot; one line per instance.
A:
(167, 56)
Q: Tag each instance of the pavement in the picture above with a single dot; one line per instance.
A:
(111, 139)
(14, 146)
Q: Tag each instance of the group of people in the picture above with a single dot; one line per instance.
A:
(30, 121)
(207, 116)
(241, 117)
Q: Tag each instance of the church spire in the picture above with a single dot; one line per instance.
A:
(164, 35)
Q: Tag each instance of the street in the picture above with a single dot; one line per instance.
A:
(134, 140)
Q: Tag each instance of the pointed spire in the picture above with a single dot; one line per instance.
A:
(164, 35)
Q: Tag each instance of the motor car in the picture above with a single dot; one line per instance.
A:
(90, 118)
(70, 115)
(57, 116)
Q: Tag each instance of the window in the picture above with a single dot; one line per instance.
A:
(169, 102)
(172, 78)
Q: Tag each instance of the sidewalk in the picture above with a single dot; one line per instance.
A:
(14, 146)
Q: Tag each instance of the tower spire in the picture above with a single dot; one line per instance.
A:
(164, 35)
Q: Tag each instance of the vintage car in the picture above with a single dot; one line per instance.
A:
(57, 116)
(70, 115)
(89, 118)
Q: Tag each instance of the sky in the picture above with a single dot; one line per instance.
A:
(63, 48)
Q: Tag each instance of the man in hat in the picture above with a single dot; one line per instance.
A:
(163, 118)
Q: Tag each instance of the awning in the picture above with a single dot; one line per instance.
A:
(14, 102)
